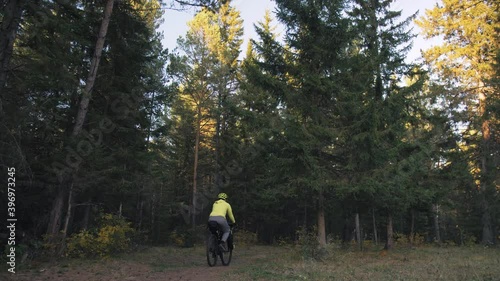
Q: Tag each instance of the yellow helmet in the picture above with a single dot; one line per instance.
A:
(222, 195)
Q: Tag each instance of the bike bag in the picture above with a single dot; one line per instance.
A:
(213, 226)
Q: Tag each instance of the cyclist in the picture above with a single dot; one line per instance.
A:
(220, 210)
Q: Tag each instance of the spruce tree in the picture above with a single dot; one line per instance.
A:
(302, 78)
(378, 144)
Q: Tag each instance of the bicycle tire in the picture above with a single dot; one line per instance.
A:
(211, 250)
(225, 257)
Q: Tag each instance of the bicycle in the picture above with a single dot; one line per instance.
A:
(214, 249)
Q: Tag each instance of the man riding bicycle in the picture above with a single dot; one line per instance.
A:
(220, 210)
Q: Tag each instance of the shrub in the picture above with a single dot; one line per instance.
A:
(403, 239)
(186, 236)
(52, 244)
(178, 238)
(400, 238)
(418, 239)
(308, 245)
(82, 244)
(111, 236)
(245, 238)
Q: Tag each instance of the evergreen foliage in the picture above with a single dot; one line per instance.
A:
(464, 68)
(325, 131)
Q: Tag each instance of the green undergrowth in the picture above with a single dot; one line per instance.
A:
(336, 263)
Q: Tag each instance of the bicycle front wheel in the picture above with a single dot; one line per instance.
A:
(212, 250)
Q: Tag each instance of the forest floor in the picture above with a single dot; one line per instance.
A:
(275, 263)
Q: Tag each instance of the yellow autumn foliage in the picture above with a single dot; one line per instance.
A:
(112, 235)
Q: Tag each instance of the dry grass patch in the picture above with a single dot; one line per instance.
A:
(425, 263)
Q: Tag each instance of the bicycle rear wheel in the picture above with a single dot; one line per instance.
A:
(225, 257)
(212, 250)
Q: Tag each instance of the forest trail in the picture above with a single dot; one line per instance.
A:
(445, 263)
(157, 263)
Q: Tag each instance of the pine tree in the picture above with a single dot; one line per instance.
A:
(207, 75)
(463, 62)
(52, 56)
(227, 76)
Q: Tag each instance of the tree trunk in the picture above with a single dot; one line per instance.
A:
(305, 216)
(153, 214)
(435, 211)
(158, 223)
(321, 221)
(140, 211)
(86, 216)
(82, 111)
(390, 239)
(8, 31)
(66, 221)
(56, 214)
(68, 212)
(358, 231)
(150, 122)
(195, 165)
(218, 176)
(94, 65)
(487, 235)
(412, 227)
(375, 234)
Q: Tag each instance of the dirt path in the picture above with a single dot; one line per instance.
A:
(119, 272)
(160, 264)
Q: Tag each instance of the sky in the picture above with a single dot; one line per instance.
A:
(252, 11)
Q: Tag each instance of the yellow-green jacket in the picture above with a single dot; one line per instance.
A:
(222, 208)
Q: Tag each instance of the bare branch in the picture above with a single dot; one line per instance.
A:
(211, 5)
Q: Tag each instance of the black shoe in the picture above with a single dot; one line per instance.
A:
(223, 246)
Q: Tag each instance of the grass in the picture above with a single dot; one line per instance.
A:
(424, 263)
(287, 263)
(162, 259)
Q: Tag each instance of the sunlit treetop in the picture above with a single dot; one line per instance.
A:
(468, 31)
